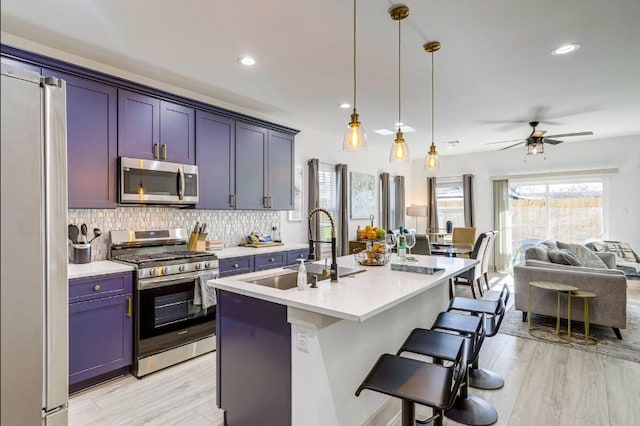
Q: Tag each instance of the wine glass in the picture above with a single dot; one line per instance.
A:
(410, 241)
(390, 241)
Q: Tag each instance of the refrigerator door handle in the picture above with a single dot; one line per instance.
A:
(56, 287)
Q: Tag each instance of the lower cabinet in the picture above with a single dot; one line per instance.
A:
(261, 262)
(235, 266)
(100, 328)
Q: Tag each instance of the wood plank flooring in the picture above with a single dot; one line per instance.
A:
(545, 385)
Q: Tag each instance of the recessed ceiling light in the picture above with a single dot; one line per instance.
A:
(383, 132)
(247, 60)
(345, 105)
(451, 144)
(565, 49)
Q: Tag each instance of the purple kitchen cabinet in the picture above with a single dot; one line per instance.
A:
(91, 142)
(251, 161)
(280, 170)
(177, 133)
(253, 361)
(151, 129)
(138, 126)
(100, 328)
(215, 154)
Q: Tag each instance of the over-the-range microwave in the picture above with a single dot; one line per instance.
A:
(157, 182)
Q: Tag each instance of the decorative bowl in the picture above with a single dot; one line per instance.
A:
(370, 257)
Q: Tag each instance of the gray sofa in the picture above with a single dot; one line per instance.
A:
(609, 308)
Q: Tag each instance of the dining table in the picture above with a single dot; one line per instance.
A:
(449, 250)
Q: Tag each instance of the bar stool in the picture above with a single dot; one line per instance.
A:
(414, 381)
(494, 311)
(467, 409)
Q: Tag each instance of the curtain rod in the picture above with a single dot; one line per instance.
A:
(558, 174)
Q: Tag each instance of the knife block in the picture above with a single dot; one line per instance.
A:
(197, 242)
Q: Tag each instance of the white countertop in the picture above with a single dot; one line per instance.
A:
(357, 297)
(250, 251)
(98, 267)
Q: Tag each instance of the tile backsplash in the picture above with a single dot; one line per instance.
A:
(230, 226)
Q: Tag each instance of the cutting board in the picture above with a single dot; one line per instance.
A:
(259, 245)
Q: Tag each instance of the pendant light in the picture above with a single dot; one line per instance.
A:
(399, 149)
(354, 138)
(432, 161)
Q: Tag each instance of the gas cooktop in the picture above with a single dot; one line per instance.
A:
(162, 256)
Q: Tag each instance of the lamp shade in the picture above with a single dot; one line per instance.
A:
(417, 211)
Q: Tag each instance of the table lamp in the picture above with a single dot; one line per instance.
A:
(417, 211)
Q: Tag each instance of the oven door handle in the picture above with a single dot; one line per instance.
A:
(146, 284)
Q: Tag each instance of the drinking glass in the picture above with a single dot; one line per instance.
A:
(410, 241)
(390, 241)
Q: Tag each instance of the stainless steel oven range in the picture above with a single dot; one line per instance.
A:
(168, 327)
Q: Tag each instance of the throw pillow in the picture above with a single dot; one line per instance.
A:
(626, 252)
(538, 252)
(586, 256)
(564, 257)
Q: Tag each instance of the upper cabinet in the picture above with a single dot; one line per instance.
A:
(215, 154)
(20, 64)
(154, 129)
(280, 171)
(91, 141)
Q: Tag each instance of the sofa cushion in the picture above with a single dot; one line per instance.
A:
(579, 269)
(537, 252)
(586, 256)
(564, 257)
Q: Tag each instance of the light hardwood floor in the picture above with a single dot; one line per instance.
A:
(545, 385)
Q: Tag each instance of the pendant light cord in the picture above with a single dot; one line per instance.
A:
(354, 55)
(433, 94)
(399, 76)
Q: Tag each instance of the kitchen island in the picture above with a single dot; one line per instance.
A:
(291, 357)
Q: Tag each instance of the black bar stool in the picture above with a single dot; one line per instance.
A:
(467, 409)
(494, 311)
(417, 382)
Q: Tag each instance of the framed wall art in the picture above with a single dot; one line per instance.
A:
(362, 195)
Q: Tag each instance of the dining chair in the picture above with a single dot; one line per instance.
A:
(463, 236)
(485, 259)
(474, 275)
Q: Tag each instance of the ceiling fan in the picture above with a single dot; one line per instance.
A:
(536, 140)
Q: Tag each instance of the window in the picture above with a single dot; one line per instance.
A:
(329, 201)
(569, 210)
(450, 199)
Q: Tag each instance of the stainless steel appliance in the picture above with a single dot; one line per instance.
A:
(34, 293)
(157, 182)
(169, 326)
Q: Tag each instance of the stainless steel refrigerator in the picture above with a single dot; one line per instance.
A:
(34, 300)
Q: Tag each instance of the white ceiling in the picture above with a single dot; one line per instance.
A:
(495, 65)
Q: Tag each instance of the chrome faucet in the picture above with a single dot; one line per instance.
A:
(312, 251)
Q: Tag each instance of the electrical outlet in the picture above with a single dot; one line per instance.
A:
(301, 341)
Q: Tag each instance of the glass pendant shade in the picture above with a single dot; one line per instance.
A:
(535, 148)
(355, 138)
(399, 150)
(432, 161)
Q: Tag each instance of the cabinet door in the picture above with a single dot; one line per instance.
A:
(92, 155)
(215, 155)
(251, 150)
(177, 133)
(138, 126)
(235, 266)
(100, 336)
(294, 255)
(270, 260)
(280, 170)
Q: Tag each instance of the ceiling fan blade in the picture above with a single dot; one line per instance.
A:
(511, 146)
(552, 141)
(513, 140)
(564, 135)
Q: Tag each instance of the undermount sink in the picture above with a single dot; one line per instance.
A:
(282, 281)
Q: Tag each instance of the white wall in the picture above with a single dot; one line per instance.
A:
(624, 187)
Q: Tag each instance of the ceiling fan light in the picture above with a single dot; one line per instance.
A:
(535, 148)
(355, 138)
(399, 150)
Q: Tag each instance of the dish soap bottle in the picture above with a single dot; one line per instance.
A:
(302, 276)
(402, 245)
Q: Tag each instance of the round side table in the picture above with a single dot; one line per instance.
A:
(585, 296)
(559, 288)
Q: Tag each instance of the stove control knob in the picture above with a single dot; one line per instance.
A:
(198, 266)
(181, 268)
(165, 270)
(152, 272)
(207, 265)
(141, 273)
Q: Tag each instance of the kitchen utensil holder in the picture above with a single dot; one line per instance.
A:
(80, 253)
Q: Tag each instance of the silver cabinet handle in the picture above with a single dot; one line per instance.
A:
(164, 151)
(235, 265)
(156, 151)
(265, 202)
(233, 200)
(97, 287)
(129, 307)
(271, 260)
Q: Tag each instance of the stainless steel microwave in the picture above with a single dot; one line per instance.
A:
(157, 182)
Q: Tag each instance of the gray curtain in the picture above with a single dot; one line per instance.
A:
(432, 206)
(385, 202)
(399, 201)
(468, 189)
(501, 224)
(314, 201)
(343, 211)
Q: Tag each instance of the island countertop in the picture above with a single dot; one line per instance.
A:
(357, 297)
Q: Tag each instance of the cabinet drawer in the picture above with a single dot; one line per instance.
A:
(88, 288)
(236, 265)
(271, 260)
(294, 255)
